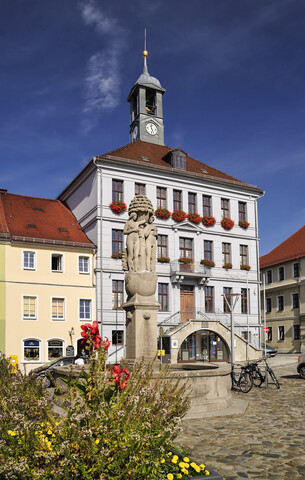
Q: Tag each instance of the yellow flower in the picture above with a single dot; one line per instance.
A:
(50, 432)
(207, 472)
(170, 476)
(169, 453)
(175, 459)
(97, 441)
(179, 475)
(186, 459)
(159, 435)
(11, 433)
(202, 466)
(162, 460)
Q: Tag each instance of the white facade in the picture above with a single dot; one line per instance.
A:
(89, 196)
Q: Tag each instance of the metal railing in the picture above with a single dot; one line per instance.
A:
(195, 267)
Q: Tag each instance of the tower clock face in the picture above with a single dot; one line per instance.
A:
(151, 128)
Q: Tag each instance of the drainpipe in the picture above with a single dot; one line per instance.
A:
(98, 267)
(258, 269)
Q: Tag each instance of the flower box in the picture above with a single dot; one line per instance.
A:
(118, 207)
(163, 259)
(179, 215)
(185, 260)
(207, 263)
(245, 267)
(227, 223)
(243, 224)
(227, 266)
(116, 255)
(208, 221)
(194, 218)
(162, 213)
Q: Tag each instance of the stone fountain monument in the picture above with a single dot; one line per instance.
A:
(139, 262)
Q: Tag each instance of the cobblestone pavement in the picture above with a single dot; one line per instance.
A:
(266, 442)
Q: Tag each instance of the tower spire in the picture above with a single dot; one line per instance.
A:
(145, 54)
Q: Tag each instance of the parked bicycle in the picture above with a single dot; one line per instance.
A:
(258, 376)
(241, 378)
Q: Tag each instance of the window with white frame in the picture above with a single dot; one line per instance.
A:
(268, 305)
(209, 299)
(208, 250)
(296, 270)
(242, 211)
(29, 307)
(117, 190)
(163, 296)
(161, 197)
(281, 274)
(58, 309)
(31, 350)
(269, 276)
(162, 246)
(281, 332)
(56, 262)
(139, 188)
(243, 250)
(225, 208)
(206, 205)
(280, 303)
(269, 334)
(83, 265)
(192, 202)
(296, 332)
(117, 294)
(55, 349)
(295, 300)
(29, 260)
(85, 309)
(117, 337)
(226, 253)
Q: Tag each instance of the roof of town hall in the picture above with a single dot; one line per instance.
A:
(39, 220)
(152, 156)
(292, 248)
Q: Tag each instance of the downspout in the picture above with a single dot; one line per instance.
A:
(258, 269)
(99, 265)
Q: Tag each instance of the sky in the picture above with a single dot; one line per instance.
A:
(233, 71)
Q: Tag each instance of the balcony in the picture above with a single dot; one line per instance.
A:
(180, 271)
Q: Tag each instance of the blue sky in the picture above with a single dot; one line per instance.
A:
(234, 76)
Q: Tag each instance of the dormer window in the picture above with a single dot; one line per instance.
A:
(176, 158)
(150, 105)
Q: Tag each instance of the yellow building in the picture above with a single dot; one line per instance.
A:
(47, 287)
(283, 294)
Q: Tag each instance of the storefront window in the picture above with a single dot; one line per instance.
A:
(203, 346)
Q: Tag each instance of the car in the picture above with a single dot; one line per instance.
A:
(301, 365)
(270, 351)
(44, 372)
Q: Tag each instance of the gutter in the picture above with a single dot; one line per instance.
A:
(99, 262)
(258, 268)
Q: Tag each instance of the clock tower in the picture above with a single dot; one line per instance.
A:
(146, 110)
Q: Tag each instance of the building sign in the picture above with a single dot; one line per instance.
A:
(70, 351)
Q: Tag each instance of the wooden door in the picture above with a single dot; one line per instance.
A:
(186, 302)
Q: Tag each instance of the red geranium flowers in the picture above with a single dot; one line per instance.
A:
(91, 333)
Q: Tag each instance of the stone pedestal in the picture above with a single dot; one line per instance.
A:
(141, 331)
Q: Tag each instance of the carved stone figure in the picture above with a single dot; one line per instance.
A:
(139, 259)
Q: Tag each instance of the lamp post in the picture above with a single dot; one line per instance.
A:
(227, 297)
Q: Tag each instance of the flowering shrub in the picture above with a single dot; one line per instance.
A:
(243, 224)
(208, 221)
(227, 266)
(227, 223)
(185, 260)
(118, 207)
(116, 424)
(179, 215)
(162, 213)
(245, 267)
(194, 217)
(116, 255)
(207, 263)
(163, 259)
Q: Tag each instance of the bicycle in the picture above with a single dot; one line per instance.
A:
(242, 379)
(257, 375)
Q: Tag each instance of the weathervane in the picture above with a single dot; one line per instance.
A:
(145, 53)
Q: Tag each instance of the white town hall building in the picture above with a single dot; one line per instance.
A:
(201, 258)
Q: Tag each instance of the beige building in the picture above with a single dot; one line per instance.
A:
(283, 294)
(47, 288)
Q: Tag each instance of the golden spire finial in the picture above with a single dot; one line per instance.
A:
(145, 52)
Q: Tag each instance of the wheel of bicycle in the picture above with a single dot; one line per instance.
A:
(274, 379)
(245, 382)
(257, 378)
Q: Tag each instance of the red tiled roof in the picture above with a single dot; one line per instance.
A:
(41, 218)
(155, 153)
(293, 247)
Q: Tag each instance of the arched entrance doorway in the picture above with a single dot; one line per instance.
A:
(204, 346)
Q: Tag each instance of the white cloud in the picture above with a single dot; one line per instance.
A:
(103, 80)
